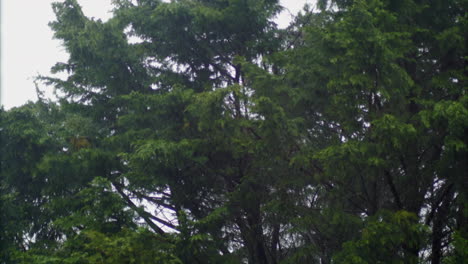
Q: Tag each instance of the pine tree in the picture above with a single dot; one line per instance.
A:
(197, 131)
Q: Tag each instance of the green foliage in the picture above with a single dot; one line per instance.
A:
(127, 246)
(386, 238)
(460, 252)
(196, 131)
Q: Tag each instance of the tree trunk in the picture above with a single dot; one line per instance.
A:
(438, 224)
(252, 234)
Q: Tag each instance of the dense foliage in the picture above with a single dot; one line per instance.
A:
(197, 131)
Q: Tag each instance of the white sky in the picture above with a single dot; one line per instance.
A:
(29, 50)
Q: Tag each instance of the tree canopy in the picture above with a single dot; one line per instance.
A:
(198, 131)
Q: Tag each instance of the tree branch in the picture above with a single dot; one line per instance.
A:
(388, 178)
(142, 213)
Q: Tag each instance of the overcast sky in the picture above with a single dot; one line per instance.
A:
(28, 48)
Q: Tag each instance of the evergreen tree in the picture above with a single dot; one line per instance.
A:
(197, 131)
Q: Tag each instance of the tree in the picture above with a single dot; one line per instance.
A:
(196, 131)
(378, 75)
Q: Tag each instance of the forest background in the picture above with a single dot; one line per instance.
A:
(197, 131)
